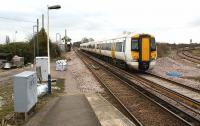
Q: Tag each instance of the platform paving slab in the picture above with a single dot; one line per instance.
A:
(106, 113)
(69, 110)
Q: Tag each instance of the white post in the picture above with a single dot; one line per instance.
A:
(48, 52)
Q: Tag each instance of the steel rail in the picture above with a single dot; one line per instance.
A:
(173, 82)
(190, 58)
(133, 118)
(128, 77)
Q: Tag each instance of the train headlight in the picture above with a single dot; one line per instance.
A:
(135, 55)
(153, 55)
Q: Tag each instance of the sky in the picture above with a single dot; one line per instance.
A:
(173, 21)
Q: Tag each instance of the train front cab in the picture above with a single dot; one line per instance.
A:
(143, 51)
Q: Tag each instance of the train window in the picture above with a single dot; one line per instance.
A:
(153, 44)
(134, 45)
(118, 47)
(104, 46)
(108, 46)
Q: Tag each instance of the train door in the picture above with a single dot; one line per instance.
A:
(144, 52)
(145, 49)
(113, 49)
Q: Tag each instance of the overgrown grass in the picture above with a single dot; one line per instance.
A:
(195, 52)
(6, 91)
(163, 49)
(61, 84)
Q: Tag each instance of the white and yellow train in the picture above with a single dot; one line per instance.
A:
(137, 51)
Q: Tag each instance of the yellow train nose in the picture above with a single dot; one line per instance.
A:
(135, 55)
(153, 55)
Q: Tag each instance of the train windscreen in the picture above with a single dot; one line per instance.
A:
(134, 45)
(153, 44)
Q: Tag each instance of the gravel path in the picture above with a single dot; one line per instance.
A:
(78, 79)
(6, 75)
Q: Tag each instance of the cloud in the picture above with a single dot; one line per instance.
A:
(167, 19)
(195, 23)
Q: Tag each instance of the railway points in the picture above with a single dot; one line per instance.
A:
(185, 54)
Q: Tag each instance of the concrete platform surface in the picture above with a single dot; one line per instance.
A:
(70, 110)
(106, 113)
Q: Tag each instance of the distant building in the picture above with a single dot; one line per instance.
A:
(68, 46)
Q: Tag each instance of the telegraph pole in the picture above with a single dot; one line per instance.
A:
(42, 20)
(65, 35)
(65, 39)
(37, 37)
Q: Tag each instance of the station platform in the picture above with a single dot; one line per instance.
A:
(79, 110)
(106, 113)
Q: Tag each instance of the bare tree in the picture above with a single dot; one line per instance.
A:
(85, 39)
(91, 39)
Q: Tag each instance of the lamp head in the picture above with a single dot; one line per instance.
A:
(54, 7)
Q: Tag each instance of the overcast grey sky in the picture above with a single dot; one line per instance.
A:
(169, 20)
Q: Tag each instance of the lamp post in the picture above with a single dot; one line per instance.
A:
(15, 36)
(34, 26)
(48, 49)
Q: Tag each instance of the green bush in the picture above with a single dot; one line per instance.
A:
(163, 49)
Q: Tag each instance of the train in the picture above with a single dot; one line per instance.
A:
(134, 51)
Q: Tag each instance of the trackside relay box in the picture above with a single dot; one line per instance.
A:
(43, 63)
(25, 91)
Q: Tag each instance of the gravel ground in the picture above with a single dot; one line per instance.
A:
(78, 78)
(166, 64)
(86, 81)
(6, 75)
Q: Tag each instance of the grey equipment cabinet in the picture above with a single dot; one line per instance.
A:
(43, 63)
(25, 91)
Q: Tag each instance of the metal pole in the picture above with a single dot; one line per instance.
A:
(65, 40)
(65, 36)
(33, 46)
(42, 20)
(49, 73)
(60, 37)
(56, 38)
(37, 37)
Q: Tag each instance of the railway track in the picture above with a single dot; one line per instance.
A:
(143, 87)
(187, 56)
(173, 82)
(190, 96)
